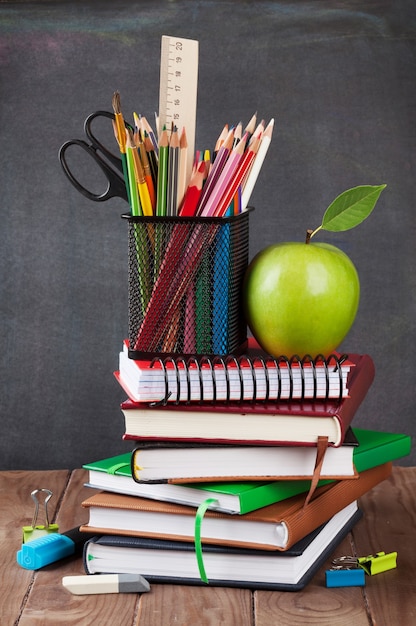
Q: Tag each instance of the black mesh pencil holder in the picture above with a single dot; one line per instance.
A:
(185, 280)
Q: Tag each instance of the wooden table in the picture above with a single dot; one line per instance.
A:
(38, 598)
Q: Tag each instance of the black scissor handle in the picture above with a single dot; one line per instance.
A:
(116, 186)
(96, 143)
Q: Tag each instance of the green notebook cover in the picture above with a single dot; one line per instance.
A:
(117, 465)
(374, 448)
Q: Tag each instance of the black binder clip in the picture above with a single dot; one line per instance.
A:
(345, 572)
(39, 530)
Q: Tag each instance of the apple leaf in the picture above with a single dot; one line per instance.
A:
(350, 208)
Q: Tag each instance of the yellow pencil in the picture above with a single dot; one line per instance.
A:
(147, 173)
(142, 187)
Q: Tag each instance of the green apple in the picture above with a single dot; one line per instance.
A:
(300, 298)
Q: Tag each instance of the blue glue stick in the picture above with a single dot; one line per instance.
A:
(51, 548)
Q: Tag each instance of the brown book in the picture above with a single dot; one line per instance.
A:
(275, 527)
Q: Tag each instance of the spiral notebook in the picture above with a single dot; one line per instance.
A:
(252, 376)
(253, 423)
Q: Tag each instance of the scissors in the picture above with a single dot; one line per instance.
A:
(111, 165)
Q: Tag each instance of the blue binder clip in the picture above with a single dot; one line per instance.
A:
(345, 572)
(34, 531)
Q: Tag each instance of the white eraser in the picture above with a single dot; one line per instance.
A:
(106, 583)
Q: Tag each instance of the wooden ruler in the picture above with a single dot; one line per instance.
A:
(178, 89)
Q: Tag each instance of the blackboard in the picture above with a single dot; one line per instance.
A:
(338, 77)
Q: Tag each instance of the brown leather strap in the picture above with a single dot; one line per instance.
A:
(321, 448)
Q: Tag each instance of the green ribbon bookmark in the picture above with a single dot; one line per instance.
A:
(117, 466)
(197, 537)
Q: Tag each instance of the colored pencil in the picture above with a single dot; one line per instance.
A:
(144, 159)
(183, 165)
(238, 133)
(144, 195)
(136, 208)
(152, 158)
(158, 184)
(145, 126)
(257, 164)
(162, 175)
(251, 126)
(215, 172)
(258, 132)
(162, 298)
(173, 173)
(193, 192)
(220, 141)
(169, 290)
(229, 169)
(148, 175)
(236, 179)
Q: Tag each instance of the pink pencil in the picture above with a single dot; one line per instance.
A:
(237, 179)
(215, 171)
(224, 179)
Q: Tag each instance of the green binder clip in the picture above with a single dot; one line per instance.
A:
(39, 530)
(378, 563)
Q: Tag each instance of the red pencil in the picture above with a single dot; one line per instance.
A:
(193, 193)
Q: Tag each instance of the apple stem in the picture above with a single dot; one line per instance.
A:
(310, 233)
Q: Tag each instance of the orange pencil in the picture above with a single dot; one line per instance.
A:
(147, 173)
(152, 157)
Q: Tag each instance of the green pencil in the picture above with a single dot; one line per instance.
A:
(162, 175)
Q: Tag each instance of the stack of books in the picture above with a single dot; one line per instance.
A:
(246, 471)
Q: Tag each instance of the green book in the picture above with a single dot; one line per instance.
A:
(114, 474)
(376, 447)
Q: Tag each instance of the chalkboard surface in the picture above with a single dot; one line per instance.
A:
(338, 77)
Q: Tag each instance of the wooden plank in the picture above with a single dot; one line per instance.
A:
(31, 598)
(16, 510)
(389, 525)
(205, 606)
(50, 603)
(315, 604)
